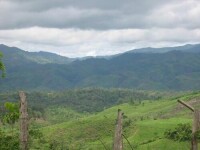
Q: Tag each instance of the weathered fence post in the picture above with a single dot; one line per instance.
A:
(196, 125)
(195, 128)
(23, 122)
(118, 141)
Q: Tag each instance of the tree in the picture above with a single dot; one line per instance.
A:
(11, 114)
(2, 67)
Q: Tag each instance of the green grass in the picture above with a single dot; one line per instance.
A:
(61, 114)
(146, 124)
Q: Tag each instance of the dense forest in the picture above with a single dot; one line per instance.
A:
(174, 70)
(83, 100)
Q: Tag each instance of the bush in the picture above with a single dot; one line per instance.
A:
(9, 142)
(183, 132)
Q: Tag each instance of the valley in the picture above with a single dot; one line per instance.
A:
(73, 105)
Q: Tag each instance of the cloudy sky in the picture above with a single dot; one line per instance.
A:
(77, 28)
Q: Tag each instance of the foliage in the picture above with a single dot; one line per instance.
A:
(59, 114)
(8, 142)
(36, 138)
(148, 71)
(84, 133)
(2, 67)
(183, 132)
(11, 141)
(82, 100)
(11, 114)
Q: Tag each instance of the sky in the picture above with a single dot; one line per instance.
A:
(78, 28)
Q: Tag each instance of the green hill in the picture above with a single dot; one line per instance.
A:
(59, 122)
(144, 126)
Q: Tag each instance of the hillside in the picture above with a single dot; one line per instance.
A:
(173, 70)
(88, 100)
(144, 126)
(147, 116)
(185, 48)
(16, 55)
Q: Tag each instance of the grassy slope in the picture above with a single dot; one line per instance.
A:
(61, 114)
(145, 125)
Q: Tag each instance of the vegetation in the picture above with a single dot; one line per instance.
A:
(147, 125)
(2, 67)
(183, 132)
(144, 126)
(174, 70)
(85, 118)
(88, 100)
(8, 141)
(10, 113)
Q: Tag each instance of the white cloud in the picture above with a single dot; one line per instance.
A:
(183, 14)
(78, 43)
(76, 28)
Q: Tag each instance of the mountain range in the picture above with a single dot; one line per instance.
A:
(193, 48)
(169, 68)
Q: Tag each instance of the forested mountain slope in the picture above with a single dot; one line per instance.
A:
(173, 70)
(16, 55)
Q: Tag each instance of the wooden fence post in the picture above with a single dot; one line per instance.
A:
(196, 125)
(118, 140)
(195, 128)
(23, 122)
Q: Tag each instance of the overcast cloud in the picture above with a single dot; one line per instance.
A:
(77, 28)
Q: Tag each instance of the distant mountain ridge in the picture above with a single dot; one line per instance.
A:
(172, 70)
(38, 57)
(195, 48)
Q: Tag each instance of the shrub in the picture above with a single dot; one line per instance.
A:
(9, 142)
(183, 132)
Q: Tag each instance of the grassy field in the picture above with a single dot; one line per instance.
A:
(144, 126)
